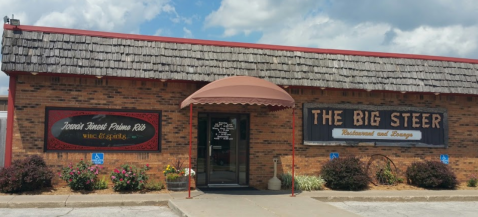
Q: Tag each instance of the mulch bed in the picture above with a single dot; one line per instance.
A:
(65, 190)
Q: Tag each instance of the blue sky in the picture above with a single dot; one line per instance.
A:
(190, 16)
(429, 27)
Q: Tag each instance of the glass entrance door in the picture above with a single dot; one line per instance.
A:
(223, 149)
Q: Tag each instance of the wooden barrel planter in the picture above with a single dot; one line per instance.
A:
(177, 185)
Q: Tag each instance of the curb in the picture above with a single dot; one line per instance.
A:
(77, 204)
(10, 203)
(457, 198)
(176, 210)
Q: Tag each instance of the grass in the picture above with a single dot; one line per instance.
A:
(154, 186)
(302, 182)
(101, 184)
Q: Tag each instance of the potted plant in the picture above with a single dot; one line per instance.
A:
(177, 177)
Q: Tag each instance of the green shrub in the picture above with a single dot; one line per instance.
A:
(302, 182)
(345, 174)
(431, 174)
(399, 180)
(129, 178)
(472, 181)
(154, 186)
(82, 176)
(28, 174)
(174, 177)
(101, 184)
(385, 176)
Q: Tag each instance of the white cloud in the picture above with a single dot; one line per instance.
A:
(321, 31)
(158, 32)
(104, 15)
(324, 32)
(406, 14)
(251, 15)
(186, 20)
(187, 33)
(4, 80)
(450, 29)
(4, 90)
(178, 18)
(451, 40)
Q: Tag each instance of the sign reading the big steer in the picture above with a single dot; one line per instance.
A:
(378, 125)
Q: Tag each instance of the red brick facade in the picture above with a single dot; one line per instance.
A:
(270, 132)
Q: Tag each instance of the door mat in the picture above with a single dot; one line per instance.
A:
(208, 189)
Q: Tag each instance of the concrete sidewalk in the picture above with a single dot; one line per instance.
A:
(279, 203)
(253, 204)
(239, 203)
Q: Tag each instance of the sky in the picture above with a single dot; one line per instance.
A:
(428, 27)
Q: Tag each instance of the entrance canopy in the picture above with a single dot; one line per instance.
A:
(241, 90)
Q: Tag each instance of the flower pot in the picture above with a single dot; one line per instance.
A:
(177, 185)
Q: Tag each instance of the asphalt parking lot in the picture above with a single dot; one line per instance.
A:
(402, 209)
(121, 211)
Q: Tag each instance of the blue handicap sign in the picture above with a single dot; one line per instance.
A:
(444, 158)
(334, 155)
(98, 158)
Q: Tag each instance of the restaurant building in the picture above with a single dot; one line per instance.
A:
(74, 93)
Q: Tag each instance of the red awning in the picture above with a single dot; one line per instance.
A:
(241, 90)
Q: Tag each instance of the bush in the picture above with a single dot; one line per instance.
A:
(154, 186)
(302, 182)
(472, 181)
(82, 176)
(100, 184)
(431, 174)
(345, 174)
(129, 178)
(11, 178)
(385, 176)
(29, 174)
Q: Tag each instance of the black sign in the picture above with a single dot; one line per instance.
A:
(98, 129)
(345, 124)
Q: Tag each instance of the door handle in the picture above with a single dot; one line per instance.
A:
(210, 150)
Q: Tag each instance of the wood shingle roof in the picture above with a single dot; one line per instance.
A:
(68, 53)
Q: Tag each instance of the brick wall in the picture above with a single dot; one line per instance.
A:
(270, 133)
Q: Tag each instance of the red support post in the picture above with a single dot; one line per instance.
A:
(293, 150)
(190, 147)
(10, 121)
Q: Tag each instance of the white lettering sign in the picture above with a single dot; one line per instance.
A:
(349, 133)
(111, 127)
(222, 131)
(68, 126)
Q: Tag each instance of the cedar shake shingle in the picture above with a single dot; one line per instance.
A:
(88, 55)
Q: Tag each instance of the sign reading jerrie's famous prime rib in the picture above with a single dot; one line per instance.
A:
(346, 124)
(74, 129)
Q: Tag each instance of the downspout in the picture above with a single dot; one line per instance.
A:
(10, 121)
